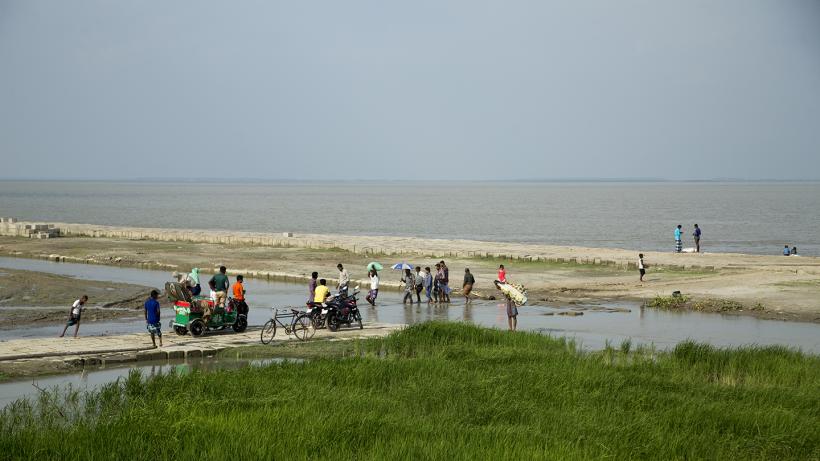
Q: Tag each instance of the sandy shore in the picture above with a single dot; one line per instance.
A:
(28, 297)
(785, 287)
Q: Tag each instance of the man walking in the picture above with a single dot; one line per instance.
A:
(419, 279)
(469, 281)
(696, 235)
(344, 280)
(445, 282)
(678, 243)
(374, 287)
(152, 322)
(428, 284)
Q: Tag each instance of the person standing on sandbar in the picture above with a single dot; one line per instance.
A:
(696, 235)
(641, 266)
(678, 243)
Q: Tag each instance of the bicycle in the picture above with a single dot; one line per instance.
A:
(299, 324)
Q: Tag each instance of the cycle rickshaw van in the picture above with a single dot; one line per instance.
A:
(189, 311)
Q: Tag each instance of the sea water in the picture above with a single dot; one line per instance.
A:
(743, 217)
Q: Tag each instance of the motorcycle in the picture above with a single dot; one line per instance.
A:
(343, 310)
(317, 313)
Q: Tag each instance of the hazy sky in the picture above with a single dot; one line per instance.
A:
(410, 90)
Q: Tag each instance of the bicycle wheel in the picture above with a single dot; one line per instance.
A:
(268, 331)
(303, 327)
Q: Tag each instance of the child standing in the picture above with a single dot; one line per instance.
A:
(153, 324)
(502, 274)
(641, 266)
(678, 243)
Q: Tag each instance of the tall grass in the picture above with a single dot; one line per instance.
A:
(447, 391)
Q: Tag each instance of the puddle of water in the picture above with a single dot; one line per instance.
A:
(664, 329)
(95, 378)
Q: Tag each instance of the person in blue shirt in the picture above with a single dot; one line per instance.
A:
(152, 318)
(678, 243)
(786, 251)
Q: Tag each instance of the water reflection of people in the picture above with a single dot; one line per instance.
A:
(468, 312)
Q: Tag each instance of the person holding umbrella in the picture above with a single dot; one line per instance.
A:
(374, 286)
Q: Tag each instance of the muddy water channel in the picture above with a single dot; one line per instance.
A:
(592, 326)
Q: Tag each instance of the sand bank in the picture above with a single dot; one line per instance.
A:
(787, 287)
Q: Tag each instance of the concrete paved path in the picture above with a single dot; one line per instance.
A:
(93, 350)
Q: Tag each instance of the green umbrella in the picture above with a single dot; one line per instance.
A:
(375, 265)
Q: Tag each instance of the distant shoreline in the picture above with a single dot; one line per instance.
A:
(187, 180)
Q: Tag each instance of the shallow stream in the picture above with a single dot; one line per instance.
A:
(596, 324)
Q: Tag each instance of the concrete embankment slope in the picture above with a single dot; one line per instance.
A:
(435, 248)
(33, 355)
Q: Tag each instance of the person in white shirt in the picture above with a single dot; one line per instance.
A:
(344, 280)
(374, 287)
(641, 266)
(74, 315)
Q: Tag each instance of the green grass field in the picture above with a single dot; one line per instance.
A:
(446, 391)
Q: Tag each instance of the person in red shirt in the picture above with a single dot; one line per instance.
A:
(502, 274)
(239, 295)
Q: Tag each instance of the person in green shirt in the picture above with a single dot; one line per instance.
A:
(221, 285)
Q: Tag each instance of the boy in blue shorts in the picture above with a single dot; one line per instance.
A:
(152, 318)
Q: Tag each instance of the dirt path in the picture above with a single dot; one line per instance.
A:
(29, 357)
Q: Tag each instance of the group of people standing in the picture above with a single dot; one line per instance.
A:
(434, 283)
(436, 287)
(696, 234)
(318, 291)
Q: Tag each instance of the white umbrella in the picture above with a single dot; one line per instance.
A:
(401, 266)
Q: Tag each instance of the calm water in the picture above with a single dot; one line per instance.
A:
(738, 217)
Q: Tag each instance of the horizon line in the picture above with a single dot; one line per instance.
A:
(370, 180)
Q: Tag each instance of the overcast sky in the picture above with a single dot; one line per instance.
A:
(410, 90)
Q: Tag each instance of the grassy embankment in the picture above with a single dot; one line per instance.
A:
(447, 391)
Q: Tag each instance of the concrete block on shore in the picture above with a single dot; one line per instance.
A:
(151, 355)
(119, 358)
(175, 354)
(193, 354)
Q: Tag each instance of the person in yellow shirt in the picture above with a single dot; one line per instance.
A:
(322, 292)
